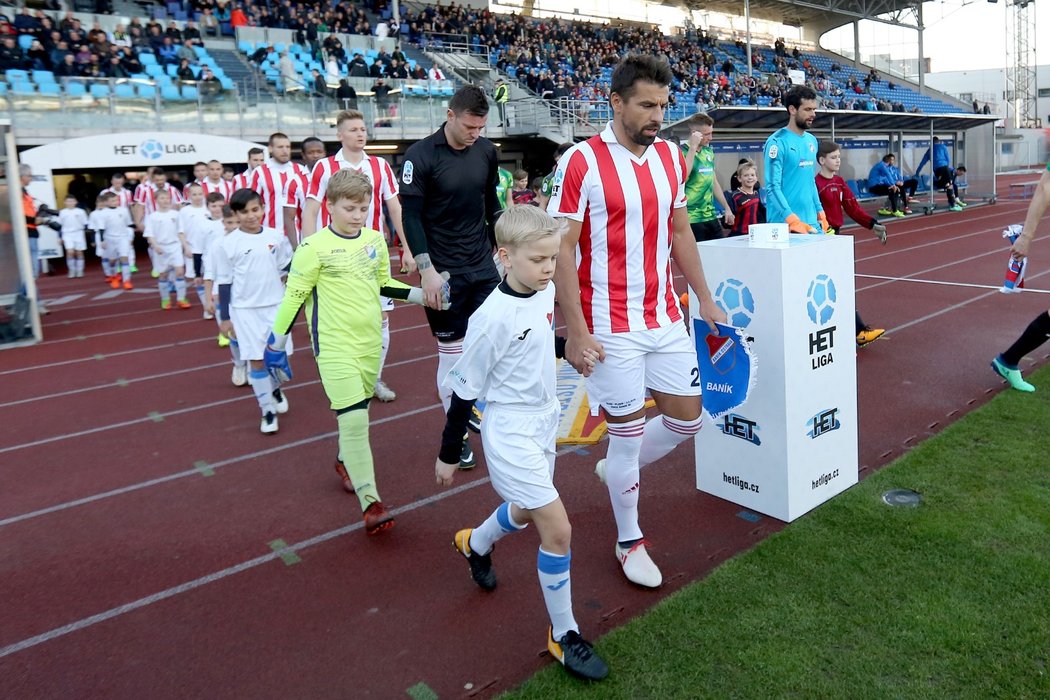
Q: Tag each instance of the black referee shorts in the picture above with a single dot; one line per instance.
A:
(468, 291)
(708, 230)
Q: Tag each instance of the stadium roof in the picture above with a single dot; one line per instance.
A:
(805, 13)
(769, 119)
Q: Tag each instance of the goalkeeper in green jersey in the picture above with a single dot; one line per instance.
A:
(339, 273)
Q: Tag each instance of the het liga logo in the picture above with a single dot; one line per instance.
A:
(153, 149)
(735, 298)
(821, 299)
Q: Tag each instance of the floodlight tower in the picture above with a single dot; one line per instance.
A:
(1021, 66)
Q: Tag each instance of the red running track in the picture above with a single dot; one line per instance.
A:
(140, 508)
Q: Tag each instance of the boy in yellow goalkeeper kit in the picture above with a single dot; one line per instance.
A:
(339, 273)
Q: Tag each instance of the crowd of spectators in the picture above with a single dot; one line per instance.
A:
(70, 50)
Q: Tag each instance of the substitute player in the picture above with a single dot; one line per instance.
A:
(701, 186)
(943, 175)
(353, 135)
(240, 181)
(448, 190)
(623, 195)
(509, 360)
(248, 269)
(200, 173)
(339, 273)
(1006, 364)
(214, 181)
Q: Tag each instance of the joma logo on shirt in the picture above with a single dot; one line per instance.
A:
(524, 334)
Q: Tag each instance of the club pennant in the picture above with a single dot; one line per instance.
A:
(727, 367)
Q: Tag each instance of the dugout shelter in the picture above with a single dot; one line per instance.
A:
(740, 132)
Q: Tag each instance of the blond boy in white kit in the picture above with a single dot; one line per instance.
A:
(74, 220)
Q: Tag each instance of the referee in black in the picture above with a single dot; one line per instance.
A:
(449, 207)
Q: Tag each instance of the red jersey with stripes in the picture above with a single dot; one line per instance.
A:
(295, 199)
(241, 181)
(625, 204)
(222, 187)
(124, 196)
(146, 195)
(271, 180)
(378, 171)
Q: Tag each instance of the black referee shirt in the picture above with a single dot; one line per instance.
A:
(458, 192)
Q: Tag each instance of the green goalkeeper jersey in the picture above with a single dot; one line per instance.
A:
(504, 187)
(700, 185)
(338, 278)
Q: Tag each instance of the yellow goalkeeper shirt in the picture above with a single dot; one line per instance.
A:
(338, 278)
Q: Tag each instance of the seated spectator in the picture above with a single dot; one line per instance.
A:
(377, 69)
(168, 52)
(418, 73)
(155, 37)
(186, 52)
(191, 33)
(358, 67)
(435, 73)
(68, 68)
(237, 18)
(38, 57)
(11, 55)
(116, 69)
(260, 54)
(399, 55)
(208, 86)
(119, 36)
(332, 69)
(185, 72)
(396, 70)
(210, 22)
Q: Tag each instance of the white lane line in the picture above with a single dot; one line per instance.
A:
(110, 385)
(194, 472)
(107, 294)
(71, 321)
(934, 269)
(107, 355)
(59, 301)
(177, 412)
(119, 332)
(941, 241)
(948, 284)
(237, 568)
(953, 307)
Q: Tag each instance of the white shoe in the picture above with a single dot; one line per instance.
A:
(280, 401)
(383, 392)
(207, 316)
(637, 566)
(269, 424)
(239, 376)
(599, 470)
(72, 274)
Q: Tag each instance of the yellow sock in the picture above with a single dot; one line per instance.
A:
(357, 454)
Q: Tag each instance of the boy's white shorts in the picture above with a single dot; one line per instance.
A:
(519, 447)
(117, 246)
(168, 258)
(662, 359)
(74, 241)
(253, 326)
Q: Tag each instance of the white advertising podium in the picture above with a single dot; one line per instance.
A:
(792, 444)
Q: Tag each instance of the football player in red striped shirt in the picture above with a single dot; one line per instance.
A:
(623, 195)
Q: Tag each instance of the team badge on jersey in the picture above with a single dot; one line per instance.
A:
(727, 367)
(370, 251)
(773, 150)
(406, 172)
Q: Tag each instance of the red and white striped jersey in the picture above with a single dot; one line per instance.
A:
(124, 196)
(222, 187)
(271, 180)
(378, 171)
(186, 189)
(241, 180)
(625, 204)
(295, 199)
(146, 195)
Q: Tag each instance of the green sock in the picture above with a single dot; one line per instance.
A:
(357, 454)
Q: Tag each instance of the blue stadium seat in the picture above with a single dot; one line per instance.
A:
(23, 87)
(279, 47)
(25, 41)
(171, 69)
(146, 91)
(147, 59)
(852, 184)
(227, 84)
(189, 93)
(50, 89)
(16, 75)
(43, 76)
(170, 93)
(99, 90)
(245, 47)
(154, 71)
(200, 51)
(75, 89)
(124, 91)
(3, 89)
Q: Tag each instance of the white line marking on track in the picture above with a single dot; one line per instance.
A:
(61, 300)
(111, 385)
(150, 348)
(195, 472)
(946, 284)
(108, 295)
(177, 412)
(237, 568)
(119, 332)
